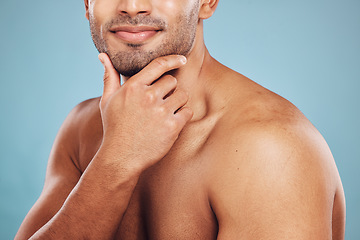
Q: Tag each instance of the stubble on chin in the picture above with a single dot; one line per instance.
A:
(177, 40)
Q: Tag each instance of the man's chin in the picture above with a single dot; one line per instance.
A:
(129, 73)
(129, 63)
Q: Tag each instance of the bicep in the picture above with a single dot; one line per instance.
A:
(276, 191)
(275, 212)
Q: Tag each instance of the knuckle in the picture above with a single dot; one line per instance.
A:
(128, 91)
(161, 111)
(161, 62)
(130, 88)
(157, 92)
(106, 77)
(150, 96)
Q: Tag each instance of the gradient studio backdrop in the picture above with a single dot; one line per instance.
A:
(307, 51)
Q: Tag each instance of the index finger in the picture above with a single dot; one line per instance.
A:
(156, 68)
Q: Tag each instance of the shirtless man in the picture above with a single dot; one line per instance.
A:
(185, 148)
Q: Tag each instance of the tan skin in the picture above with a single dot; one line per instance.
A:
(235, 162)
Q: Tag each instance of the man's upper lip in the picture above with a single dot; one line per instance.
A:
(134, 29)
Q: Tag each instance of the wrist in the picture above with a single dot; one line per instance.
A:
(114, 160)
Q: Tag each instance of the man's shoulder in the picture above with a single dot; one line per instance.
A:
(82, 127)
(252, 105)
(83, 118)
(86, 108)
(269, 156)
(256, 111)
(262, 130)
(85, 113)
(80, 117)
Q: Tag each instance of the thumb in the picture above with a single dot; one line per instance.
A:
(111, 79)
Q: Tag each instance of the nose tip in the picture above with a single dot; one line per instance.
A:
(135, 7)
(134, 13)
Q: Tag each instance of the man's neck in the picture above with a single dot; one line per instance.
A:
(191, 79)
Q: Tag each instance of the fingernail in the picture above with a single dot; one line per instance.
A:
(183, 59)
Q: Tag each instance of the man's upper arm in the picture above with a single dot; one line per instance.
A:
(61, 176)
(275, 185)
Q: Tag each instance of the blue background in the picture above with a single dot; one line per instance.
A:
(307, 51)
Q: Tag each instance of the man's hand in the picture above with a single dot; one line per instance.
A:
(143, 117)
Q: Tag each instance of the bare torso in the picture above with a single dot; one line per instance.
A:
(172, 199)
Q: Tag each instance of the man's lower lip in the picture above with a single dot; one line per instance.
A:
(135, 37)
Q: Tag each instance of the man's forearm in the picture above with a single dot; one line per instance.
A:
(95, 207)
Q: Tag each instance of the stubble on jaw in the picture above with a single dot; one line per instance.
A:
(179, 39)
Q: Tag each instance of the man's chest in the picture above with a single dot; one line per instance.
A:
(170, 200)
(169, 203)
